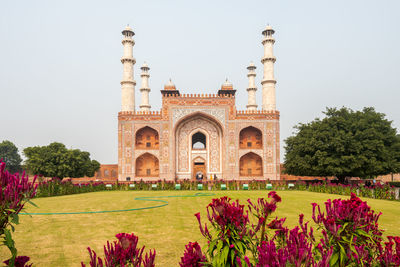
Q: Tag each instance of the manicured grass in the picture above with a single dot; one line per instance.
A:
(61, 240)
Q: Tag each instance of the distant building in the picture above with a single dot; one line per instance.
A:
(198, 133)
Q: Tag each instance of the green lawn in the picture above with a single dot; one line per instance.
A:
(61, 240)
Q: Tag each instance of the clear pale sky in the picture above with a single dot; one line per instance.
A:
(60, 66)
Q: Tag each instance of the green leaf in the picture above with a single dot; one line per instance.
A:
(334, 259)
(9, 242)
(15, 219)
(224, 254)
(343, 255)
(219, 246)
(33, 204)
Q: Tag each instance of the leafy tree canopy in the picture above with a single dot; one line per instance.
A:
(9, 154)
(345, 143)
(55, 160)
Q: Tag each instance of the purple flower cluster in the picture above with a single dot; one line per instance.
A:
(262, 210)
(15, 191)
(193, 256)
(290, 247)
(123, 252)
(390, 254)
(231, 222)
(227, 216)
(350, 227)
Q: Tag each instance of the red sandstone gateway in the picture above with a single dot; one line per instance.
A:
(198, 133)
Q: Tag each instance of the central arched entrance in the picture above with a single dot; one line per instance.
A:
(199, 167)
(198, 147)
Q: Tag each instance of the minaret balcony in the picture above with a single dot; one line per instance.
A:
(128, 59)
(265, 59)
(128, 82)
(268, 81)
(145, 106)
(126, 40)
(268, 40)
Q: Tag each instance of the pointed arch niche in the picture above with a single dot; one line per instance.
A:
(251, 165)
(147, 138)
(250, 138)
(199, 141)
(147, 165)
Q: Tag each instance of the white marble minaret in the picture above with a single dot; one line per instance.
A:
(268, 82)
(251, 90)
(145, 89)
(128, 83)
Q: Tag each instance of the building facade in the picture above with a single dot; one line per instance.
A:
(198, 133)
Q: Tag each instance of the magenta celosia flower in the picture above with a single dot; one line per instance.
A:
(15, 191)
(390, 254)
(350, 227)
(262, 210)
(274, 196)
(276, 223)
(230, 220)
(222, 214)
(123, 252)
(193, 256)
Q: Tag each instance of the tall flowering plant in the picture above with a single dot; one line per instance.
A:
(122, 252)
(234, 237)
(15, 192)
(262, 210)
(231, 224)
(350, 228)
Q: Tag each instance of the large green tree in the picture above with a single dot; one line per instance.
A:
(345, 143)
(9, 154)
(55, 160)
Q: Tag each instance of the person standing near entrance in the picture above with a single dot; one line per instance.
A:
(199, 176)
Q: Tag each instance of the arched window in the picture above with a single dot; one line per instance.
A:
(251, 165)
(250, 138)
(106, 174)
(147, 166)
(113, 173)
(199, 141)
(147, 138)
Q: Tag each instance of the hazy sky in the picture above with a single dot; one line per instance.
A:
(60, 66)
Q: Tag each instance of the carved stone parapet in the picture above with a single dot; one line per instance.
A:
(257, 114)
(128, 59)
(264, 59)
(251, 89)
(143, 74)
(144, 89)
